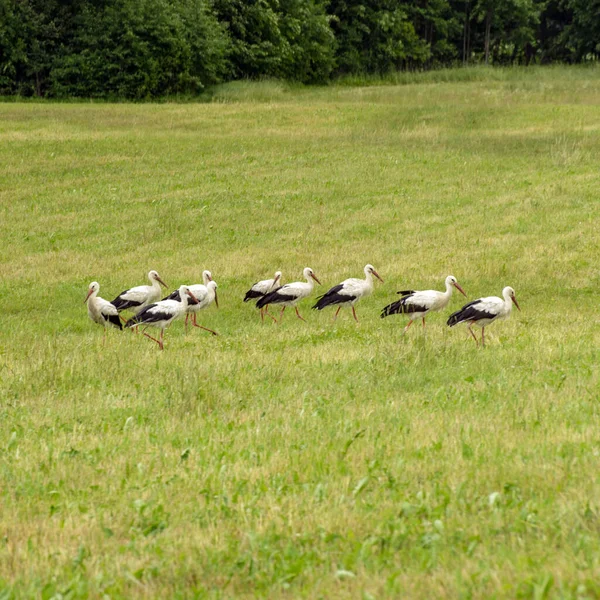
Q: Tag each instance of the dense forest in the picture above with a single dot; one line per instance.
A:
(147, 48)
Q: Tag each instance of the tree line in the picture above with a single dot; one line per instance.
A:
(140, 49)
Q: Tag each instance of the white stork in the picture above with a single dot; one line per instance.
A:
(349, 292)
(485, 311)
(162, 314)
(196, 288)
(262, 288)
(418, 304)
(101, 311)
(202, 295)
(140, 296)
(290, 293)
(205, 296)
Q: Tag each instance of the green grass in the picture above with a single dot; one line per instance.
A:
(311, 459)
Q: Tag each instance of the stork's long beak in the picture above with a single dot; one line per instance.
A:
(161, 281)
(460, 289)
(377, 275)
(216, 299)
(209, 277)
(315, 278)
(192, 297)
(90, 292)
(515, 302)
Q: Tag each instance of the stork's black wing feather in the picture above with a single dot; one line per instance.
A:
(274, 297)
(114, 320)
(406, 292)
(173, 296)
(121, 303)
(251, 294)
(146, 316)
(332, 297)
(468, 312)
(402, 306)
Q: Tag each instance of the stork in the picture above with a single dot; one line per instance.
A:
(260, 289)
(349, 292)
(418, 304)
(101, 311)
(485, 311)
(290, 294)
(136, 298)
(162, 314)
(204, 296)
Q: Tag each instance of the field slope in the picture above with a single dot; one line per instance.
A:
(312, 459)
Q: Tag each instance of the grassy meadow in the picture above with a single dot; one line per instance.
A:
(318, 459)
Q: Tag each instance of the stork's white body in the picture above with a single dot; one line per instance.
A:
(161, 314)
(137, 298)
(99, 309)
(290, 293)
(418, 304)
(349, 292)
(261, 288)
(205, 294)
(296, 291)
(485, 311)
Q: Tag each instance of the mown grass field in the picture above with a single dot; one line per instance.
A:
(315, 459)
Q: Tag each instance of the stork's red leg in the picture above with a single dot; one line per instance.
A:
(423, 322)
(298, 314)
(162, 336)
(153, 339)
(262, 314)
(354, 313)
(483, 336)
(123, 319)
(201, 327)
(409, 324)
(270, 315)
(474, 336)
(337, 312)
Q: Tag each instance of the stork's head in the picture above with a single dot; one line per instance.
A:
(508, 292)
(451, 280)
(308, 272)
(277, 277)
(206, 277)
(212, 285)
(154, 276)
(184, 290)
(370, 270)
(93, 288)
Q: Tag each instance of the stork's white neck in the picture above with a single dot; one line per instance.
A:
(507, 301)
(154, 284)
(183, 297)
(449, 289)
(369, 279)
(309, 279)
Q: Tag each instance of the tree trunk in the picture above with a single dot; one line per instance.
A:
(465, 55)
(488, 28)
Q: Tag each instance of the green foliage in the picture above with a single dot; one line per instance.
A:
(256, 39)
(375, 36)
(309, 56)
(140, 49)
(152, 48)
(584, 34)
